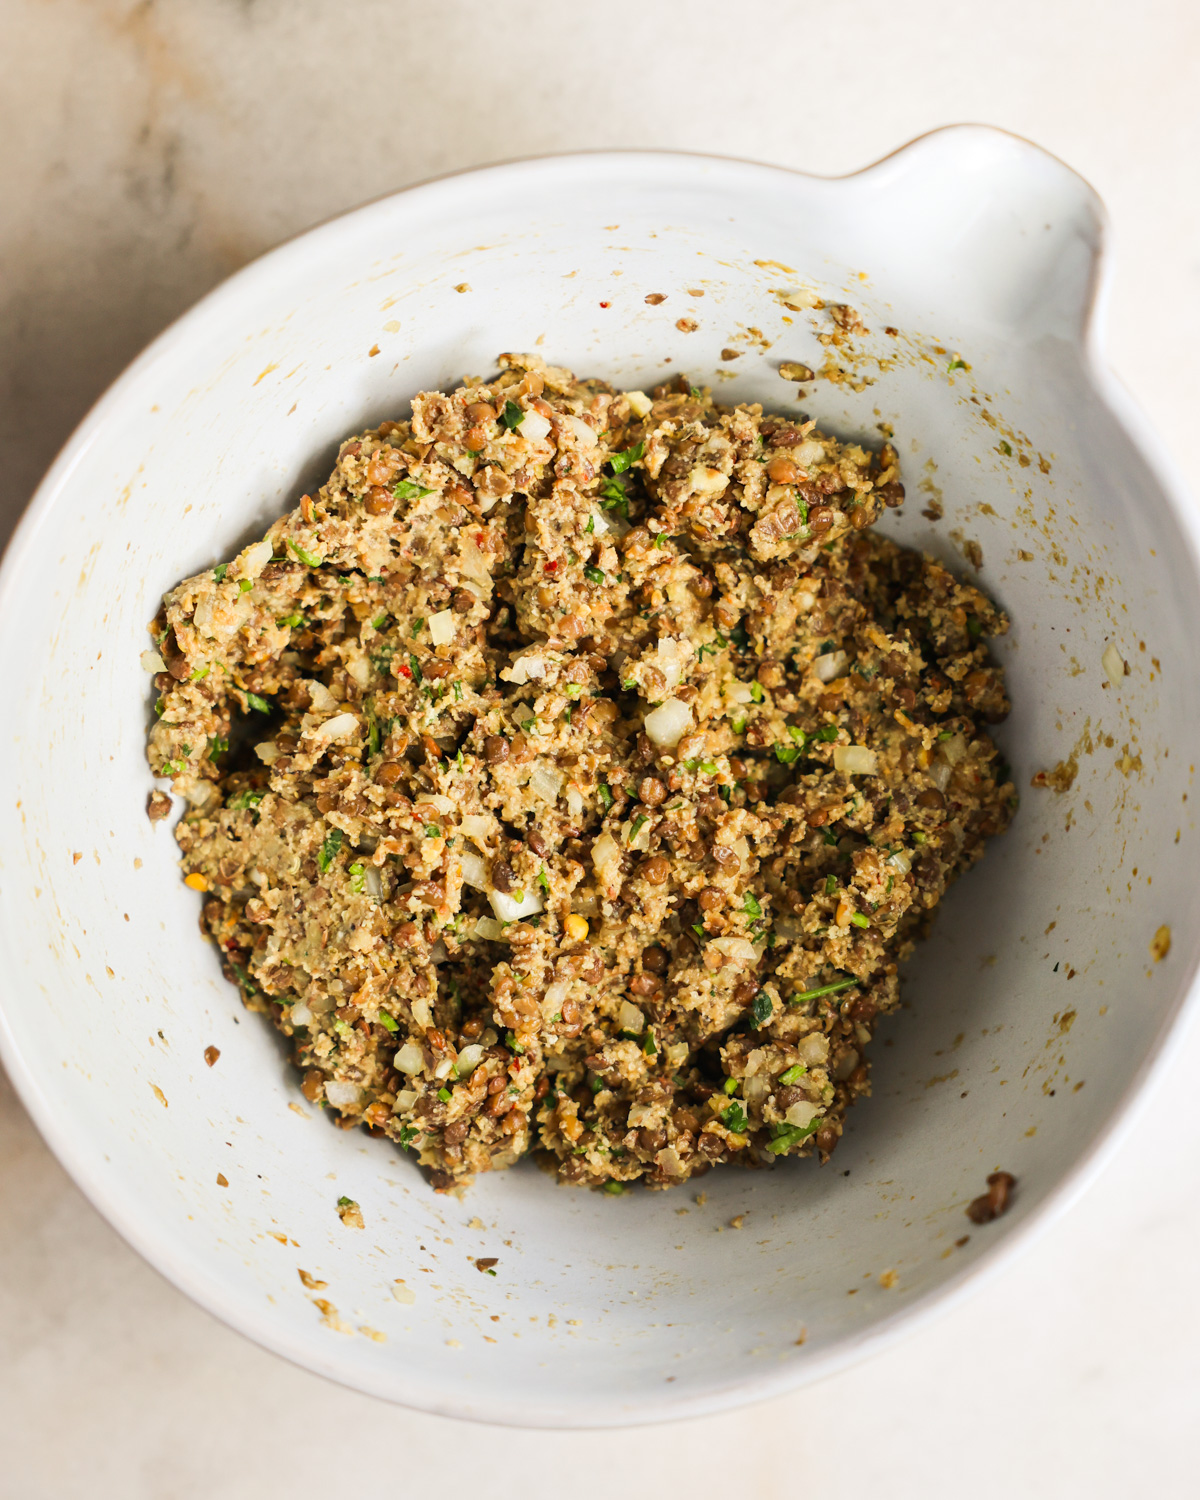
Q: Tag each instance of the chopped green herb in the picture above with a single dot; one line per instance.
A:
(831, 884)
(828, 733)
(409, 489)
(787, 754)
(593, 575)
(734, 1117)
(291, 621)
(458, 692)
(512, 416)
(309, 559)
(220, 571)
(217, 745)
(636, 828)
(787, 1136)
(246, 799)
(751, 907)
(606, 796)
(756, 691)
(408, 1134)
(726, 794)
(432, 831)
(659, 538)
(1005, 448)
(918, 837)
(649, 1046)
(444, 1095)
(379, 621)
(416, 626)
(614, 1189)
(387, 1022)
(333, 842)
(414, 666)
(244, 980)
(590, 528)
(796, 1071)
(830, 838)
(543, 880)
(822, 990)
(974, 628)
(619, 462)
(199, 674)
(738, 725)
(859, 919)
(730, 1085)
(372, 735)
(253, 700)
(760, 1010)
(956, 364)
(245, 585)
(159, 705)
(798, 735)
(358, 878)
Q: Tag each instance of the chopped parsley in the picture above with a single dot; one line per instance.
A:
(512, 416)
(730, 1085)
(756, 691)
(358, 879)
(787, 753)
(408, 1134)
(827, 733)
(432, 831)
(199, 674)
(221, 569)
(387, 1022)
(956, 364)
(1005, 448)
(333, 842)
(831, 884)
(734, 1117)
(543, 881)
(761, 1009)
(636, 828)
(606, 796)
(751, 907)
(619, 462)
(409, 489)
(291, 621)
(253, 700)
(246, 799)
(593, 574)
(309, 559)
(217, 745)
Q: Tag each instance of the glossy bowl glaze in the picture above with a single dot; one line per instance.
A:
(1033, 1014)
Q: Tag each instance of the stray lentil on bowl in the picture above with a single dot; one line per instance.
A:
(573, 770)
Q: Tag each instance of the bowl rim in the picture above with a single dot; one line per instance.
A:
(206, 1290)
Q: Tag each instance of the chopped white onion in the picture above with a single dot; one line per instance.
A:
(474, 871)
(299, 1014)
(706, 481)
(606, 856)
(489, 930)
(438, 954)
(668, 723)
(583, 433)
(409, 1059)
(524, 669)
(444, 1067)
(254, 559)
(801, 1113)
(599, 524)
(939, 773)
(534, 428)
(153, 662)
(469, 1059)
(670, 660)
(267, 752)
(374, 882)
(669, 1160)
(954, 749)
(555, 995)
(359, 668)
(422, 1013)
(631, 1018)
(738, 692)
(642, 1114)
(319, 696)
(335, 730)
(574, 801)
(845, 1065)
(441, 627)
(738, 950)
(509, 909)
(545, 784)
(342, 1095)
(829, 666)
(814, 1049)
(405, 1100)
(639, 402)
(436, 799)
(477, 827)
(1114, 664)
(856, 760)
(899, 860)
(755, 1090)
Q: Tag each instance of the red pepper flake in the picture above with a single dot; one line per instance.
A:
(551, 567)
(606, 304)
(479, 539)
(404, 669)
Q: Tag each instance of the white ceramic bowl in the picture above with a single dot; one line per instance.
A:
(1033, 1014)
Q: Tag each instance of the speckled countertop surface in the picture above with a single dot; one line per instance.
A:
(149, 150)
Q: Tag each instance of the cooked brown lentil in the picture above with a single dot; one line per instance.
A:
(573, 771)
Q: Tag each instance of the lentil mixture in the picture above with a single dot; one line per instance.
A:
(573, 770)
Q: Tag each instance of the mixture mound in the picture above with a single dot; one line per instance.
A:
(573, 771)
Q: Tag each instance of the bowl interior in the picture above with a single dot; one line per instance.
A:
(1031, 1011)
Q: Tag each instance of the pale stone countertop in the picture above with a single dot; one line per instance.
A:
(150, 149)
